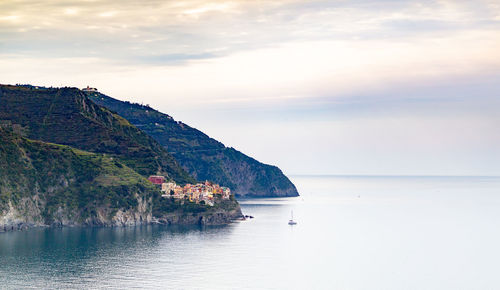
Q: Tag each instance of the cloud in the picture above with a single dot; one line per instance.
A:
(134, 31)
(176, 58)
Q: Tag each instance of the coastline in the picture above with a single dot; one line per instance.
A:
(213, 217)
(217, 217)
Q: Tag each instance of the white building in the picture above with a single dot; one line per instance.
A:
(168, 186)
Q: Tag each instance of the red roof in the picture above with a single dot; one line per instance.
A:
(157, 179)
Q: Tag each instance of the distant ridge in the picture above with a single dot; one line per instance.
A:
(203, 157)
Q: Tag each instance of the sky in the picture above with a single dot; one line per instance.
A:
(389, 87)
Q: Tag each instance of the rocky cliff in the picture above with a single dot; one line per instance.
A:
(219, 215)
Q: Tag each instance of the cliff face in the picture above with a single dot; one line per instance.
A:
(54, 185)
(203, 157)
(27, 214)
(217, 216)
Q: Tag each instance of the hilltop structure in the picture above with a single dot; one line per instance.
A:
(89, 90)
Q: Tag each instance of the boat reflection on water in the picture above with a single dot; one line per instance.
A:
(291, 221)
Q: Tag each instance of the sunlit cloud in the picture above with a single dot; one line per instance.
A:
(237, 25)
(108, 14)
(219, 7)
(70, 11)
(11, 18)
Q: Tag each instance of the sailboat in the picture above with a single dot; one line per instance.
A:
(291, 221)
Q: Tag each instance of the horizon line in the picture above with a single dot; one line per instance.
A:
(388, 175)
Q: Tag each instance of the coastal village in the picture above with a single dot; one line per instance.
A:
(200, 193)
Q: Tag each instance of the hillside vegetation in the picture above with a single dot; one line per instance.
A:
(66, 116)
(203, 157)
(50, 184)
(46, 184)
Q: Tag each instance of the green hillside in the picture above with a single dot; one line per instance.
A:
(203, 157)
(66, 116)
(48, 184)
(45, 184)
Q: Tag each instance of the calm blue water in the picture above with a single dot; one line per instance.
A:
(352, 233)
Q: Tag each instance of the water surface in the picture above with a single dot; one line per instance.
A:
(352, 233)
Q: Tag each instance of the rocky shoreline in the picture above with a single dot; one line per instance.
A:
(14, 221)
(213, 219)
(218, 217)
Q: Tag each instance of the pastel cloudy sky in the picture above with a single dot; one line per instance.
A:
(315, 87)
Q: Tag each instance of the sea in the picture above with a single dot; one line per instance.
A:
(352, 232)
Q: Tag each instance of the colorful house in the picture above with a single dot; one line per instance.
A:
(168, 186)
